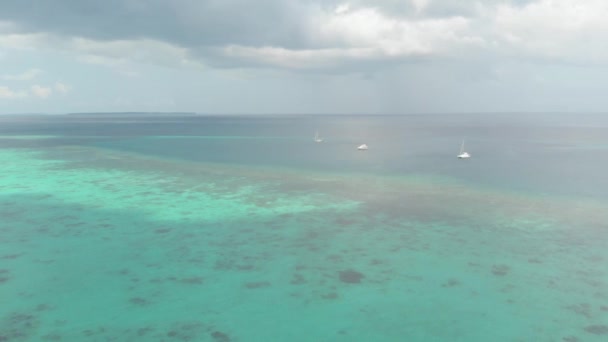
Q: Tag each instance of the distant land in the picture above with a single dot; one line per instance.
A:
(135, 113)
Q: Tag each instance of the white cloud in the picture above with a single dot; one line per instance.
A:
(24, 41)
(119, 53)
(420, 5)
(567, 30)
(62, 88)
(367, 27)
(342, 8)
(24, 76)
(8, 93)
(6, 26)
(111, 62)
(40, 91)
(296, 59)
(364, 34)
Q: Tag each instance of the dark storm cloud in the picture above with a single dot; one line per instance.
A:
(203, 27)
(182, 22)
(193, 23)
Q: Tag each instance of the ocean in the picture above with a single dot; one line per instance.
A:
(141, 227)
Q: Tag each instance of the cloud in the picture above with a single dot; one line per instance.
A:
(293, 59)
(304, 35)
(40, 91)
(62, 88)
(186, 23)
(8, 93)
(118, 53)
(24, 76)
(25, 41)
(566, 30)
(420, 5)
(345, 34)
(367, 27)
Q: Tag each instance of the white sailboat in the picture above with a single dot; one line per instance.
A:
(463, 154)
(317, 137)
(362, 147)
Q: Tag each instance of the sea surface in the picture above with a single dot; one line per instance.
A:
(140, 227)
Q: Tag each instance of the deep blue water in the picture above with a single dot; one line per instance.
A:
(559, 154)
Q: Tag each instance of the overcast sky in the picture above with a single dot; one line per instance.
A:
(303, 56)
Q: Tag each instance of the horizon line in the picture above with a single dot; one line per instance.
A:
(297, 114)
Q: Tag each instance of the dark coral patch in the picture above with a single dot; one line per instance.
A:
(51, 337)
(298, 279)
(220, 336)
(344, 222)
(375, 262)
(124, 271)
(331, 295)
(139, 301)
(334, 258)
(43, 307)
(500, 270)
(186, 332)
(143, 331)
(351, 276)
(257, 284)
(193, 280)
(11, 256)
(598, 329)
(583, 309)
(19, 327)
(451, 283)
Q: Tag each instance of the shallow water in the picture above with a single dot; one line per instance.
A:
(243, 229)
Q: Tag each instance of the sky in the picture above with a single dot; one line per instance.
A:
(303, 56)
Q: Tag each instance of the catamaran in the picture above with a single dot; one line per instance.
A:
(317, 137)
(463, 154)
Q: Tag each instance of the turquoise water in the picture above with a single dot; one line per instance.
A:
(243, 229)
